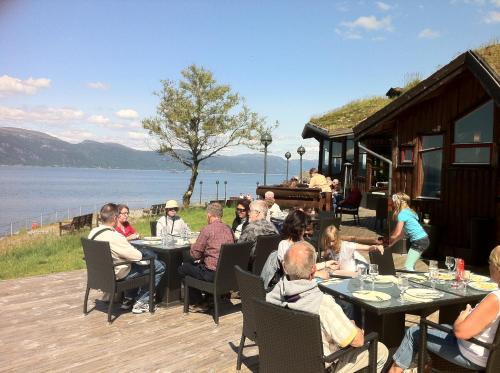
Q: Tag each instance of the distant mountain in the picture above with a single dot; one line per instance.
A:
(31, 148)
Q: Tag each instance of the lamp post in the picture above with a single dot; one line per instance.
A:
(287, 156)
(217, 184)
(265, 140)
(301, 152)
(201, 188)
(225, 194)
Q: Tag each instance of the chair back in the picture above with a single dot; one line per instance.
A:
(236, 254)
(494, 357)
(264, 246)
(250, 287)
(289, 340)
(152, 226)
(385, 262)
(100, 270)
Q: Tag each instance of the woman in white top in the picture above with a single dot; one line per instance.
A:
(480, 322)
(171, 224)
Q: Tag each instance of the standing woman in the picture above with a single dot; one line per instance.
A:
(241, 219)
(171, 223)
(407, 219)
(123, 226)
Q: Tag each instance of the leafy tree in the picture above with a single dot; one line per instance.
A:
(197, 118)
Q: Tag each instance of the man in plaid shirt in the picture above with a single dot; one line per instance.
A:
(298, 290)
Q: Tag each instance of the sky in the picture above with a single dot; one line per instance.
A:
(87, 70)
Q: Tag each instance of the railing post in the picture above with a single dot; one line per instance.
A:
(11, 229)
(41, 220)
(26, 224)
(80, 210)
(68, 213)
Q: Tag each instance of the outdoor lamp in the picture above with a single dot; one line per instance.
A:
(287, 156)
(265, 140)
(301, 152)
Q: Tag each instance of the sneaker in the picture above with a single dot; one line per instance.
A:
(127, 303)
(199, 307)
(140, 307)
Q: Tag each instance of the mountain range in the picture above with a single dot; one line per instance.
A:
(31, 148)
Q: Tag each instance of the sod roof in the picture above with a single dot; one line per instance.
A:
(491, 55)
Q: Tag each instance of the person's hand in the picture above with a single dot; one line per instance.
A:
(322, 274)
(465, 312)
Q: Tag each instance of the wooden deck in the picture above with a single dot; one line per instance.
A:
(43, 329)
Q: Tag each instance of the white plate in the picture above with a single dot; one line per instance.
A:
(151, 238)
(372, 296)
(382, 279)
(424, 293)
(444, 276)
(414, 277)
(484, 286)
(479, 278)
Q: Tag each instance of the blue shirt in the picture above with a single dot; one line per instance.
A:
(412, 227)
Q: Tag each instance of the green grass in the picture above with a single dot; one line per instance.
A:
(51, 253)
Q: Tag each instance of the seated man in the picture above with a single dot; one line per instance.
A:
(206, 249)
(122, 250)
(319, 181)
(299, 291)
(258, 225)
(274, 210)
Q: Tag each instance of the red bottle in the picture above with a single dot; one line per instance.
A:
(460, 265)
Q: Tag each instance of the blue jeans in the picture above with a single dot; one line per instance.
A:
(438, 342)
(142, 294)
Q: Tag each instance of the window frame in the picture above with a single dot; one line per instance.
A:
(402, 159)
(422, 151)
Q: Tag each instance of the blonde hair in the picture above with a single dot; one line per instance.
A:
(401, 201)
(495, 257)
(331, 235)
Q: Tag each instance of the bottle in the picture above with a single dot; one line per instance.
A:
(460, 266)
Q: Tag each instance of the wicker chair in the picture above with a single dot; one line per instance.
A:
(349, 210)
(385, 262)
(251, 286)
(494, 348)
(225, 278)
(152, 227)
(264, 246)
(101, 274)
(290, 341)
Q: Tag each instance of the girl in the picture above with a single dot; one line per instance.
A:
(241, 219)
(408, 219)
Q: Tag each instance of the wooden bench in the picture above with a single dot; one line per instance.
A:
(298, 197)
(157, 209)
(77, 223)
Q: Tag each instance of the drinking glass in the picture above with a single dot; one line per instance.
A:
(403, 285)
(466, 279)
(362, 276)
(373, 270)
(450, 262)
(433, 275)
(433, 266)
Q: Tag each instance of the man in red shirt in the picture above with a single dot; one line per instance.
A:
(206, 250)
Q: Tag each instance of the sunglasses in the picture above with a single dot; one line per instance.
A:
(124, 213)
(173, 209)
(241, 210)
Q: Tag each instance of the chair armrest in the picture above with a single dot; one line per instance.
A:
(369, 338)
(126, 262)
(450, 330)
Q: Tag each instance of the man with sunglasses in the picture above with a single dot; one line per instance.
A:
(171, 224)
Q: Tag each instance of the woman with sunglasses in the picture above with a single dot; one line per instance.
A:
(241, 219)
(123, 226)
(171, 224)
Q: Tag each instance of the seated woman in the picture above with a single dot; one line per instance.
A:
(480, 322)
(241, 219)
(123, 226)
(171, 224)
(294, 227)
(344, 254)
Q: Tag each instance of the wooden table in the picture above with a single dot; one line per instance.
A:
(387, 318)
(169, 289)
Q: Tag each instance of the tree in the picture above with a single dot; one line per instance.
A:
(197, 118)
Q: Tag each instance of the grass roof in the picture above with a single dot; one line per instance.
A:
(490, 53)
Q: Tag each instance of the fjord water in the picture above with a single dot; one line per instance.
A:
(28, 192)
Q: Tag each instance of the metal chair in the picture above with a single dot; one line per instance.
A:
(264, 246)
(251, 287)
(290, 341)
(225, 278)
(152, 226)
(101, 274)
(493, 359)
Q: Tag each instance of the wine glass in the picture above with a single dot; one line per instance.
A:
(433, 275)
(433, 266)
(403, 285)
(373, 270)
(362, 276)
(466, 278)
(450, 262)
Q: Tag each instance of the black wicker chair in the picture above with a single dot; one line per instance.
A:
(494, 348)
(225, 278)
(349, 210)
(264, 246)
(101, 274)
(385, 262)
(251, 286)
(290, 341)
(152, 227)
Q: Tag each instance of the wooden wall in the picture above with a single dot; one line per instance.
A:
(467, 192)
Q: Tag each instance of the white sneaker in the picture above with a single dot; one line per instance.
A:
(140, 307)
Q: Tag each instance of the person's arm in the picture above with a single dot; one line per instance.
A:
(396, 233)
(362, 247)
(122, 248)
(198, 248)
(471, 322)
(160, 228)
(359, 338)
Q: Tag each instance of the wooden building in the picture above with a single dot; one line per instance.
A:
(443, 138)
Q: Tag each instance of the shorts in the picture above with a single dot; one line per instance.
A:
(420, 245)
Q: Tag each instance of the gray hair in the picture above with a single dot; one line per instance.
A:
(299, 260)
(260, 206)
(108, 212)
(215, 209)
(269, 195)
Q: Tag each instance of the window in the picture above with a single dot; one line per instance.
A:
(326, 157)
(349, 153)
(362, 163)
(473, 136)
(336, 158)
(431, 156)
(406, 155)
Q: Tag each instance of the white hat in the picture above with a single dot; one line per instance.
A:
(171, 203)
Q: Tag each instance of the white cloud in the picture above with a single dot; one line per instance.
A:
(73, 136)
(495, 2)
(10, 85)
(492, 17)
(428, 33)
(98, 119)
(127, 114)
(137, 135)
(383, 6)
(40, 114)
(98, 85)
(370, 23)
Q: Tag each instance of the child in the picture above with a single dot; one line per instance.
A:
(408, 219)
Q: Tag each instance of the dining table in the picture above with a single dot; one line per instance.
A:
(387, 317)
(172, 254)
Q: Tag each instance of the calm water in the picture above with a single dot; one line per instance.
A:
(29, 194)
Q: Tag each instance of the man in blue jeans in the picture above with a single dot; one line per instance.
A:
(122, 250)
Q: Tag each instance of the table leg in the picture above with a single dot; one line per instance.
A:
(169, 289)
(390, 327)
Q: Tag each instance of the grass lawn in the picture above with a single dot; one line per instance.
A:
(37, 254)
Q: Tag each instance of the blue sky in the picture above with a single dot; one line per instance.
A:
(87, 69)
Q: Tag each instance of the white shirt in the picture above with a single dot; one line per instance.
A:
(175, 227)
(274, 212)
(348, 256)
(283, 247)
